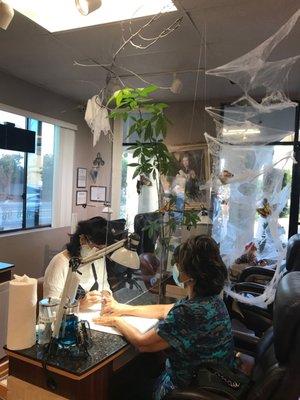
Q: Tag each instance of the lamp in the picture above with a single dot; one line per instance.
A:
(127, 255)
(129, 260)
(6, 15)
(107, 209)
(85, 7)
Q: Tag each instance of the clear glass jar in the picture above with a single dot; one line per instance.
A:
(47, 314)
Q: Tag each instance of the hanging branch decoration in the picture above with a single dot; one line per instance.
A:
(111, 67)
(144, 46)
(96, 114)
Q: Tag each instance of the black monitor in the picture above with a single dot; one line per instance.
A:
(12, 138)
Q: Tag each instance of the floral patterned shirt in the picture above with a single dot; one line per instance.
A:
(197, 330)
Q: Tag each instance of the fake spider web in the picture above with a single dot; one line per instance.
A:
(248, 185)
(253, 70)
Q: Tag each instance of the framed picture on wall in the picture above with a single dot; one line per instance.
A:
(98, 193)
(81, 177)
(81, 197)
(193, 167)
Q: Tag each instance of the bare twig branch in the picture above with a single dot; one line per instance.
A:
(139, 33)
(142, 79)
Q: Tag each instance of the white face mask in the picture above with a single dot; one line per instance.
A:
(86, 251)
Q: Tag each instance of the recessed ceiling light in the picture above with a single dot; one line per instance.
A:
(61, 15)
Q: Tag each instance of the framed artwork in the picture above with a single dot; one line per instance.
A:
(81, 177)
(81, 197)
(193, 168)
(98, 193)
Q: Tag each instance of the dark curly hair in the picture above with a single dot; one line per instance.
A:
(96, 229)
(199, 257)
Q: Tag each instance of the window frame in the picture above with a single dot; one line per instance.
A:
(294, 221)
(24, 194)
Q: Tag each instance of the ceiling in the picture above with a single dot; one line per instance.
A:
(233, 27)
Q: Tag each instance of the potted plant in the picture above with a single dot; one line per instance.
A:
(149, 123)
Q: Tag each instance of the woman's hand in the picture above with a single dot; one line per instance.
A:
(111, 307)
(106, 320)
(90, 299)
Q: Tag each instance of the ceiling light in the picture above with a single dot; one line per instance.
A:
(61, 15)
(6, 15)
(176, 86)
(88, 6)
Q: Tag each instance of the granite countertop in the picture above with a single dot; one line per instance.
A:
(104, 344)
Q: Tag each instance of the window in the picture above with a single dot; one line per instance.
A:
(26, 180)
(288, 120)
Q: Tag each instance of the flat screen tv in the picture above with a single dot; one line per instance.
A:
(12, 138)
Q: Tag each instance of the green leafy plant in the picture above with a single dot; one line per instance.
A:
(149, 122)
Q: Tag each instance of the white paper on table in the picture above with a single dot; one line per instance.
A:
(142, 324)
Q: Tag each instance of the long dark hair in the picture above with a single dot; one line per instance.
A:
(96, 229)
(199, 257)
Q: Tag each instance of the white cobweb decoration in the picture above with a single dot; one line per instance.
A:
(253, 70)
(237, 127)
(248, 187)
(96, 116)
(252, 178)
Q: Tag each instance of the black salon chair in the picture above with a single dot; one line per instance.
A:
(147, 242)
(149, 263)
(276, 371)
(257, 318)
(119, 276)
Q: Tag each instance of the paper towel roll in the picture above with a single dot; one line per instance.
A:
(21, 313)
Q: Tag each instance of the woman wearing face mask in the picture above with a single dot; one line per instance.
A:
(90, 236)
(194, 330)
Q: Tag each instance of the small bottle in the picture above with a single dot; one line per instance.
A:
(47, 314)
(69, 326)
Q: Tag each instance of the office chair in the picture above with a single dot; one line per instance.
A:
(147, 243)
(276, 371)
